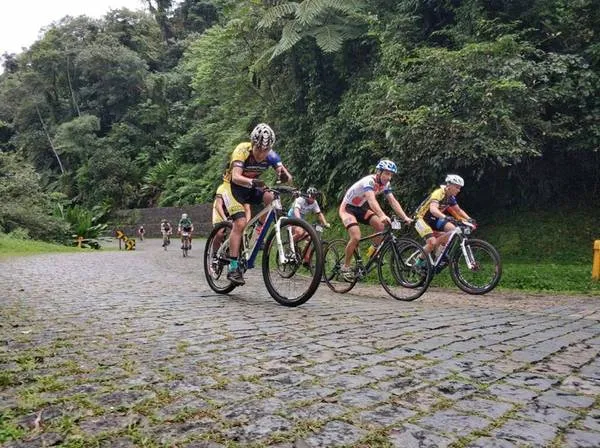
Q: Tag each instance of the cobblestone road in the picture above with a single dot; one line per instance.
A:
(124, 349)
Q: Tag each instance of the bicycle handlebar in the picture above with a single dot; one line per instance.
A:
(285, 189)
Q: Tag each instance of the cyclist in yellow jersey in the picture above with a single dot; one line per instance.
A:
(432, 213)
(248, 161)
(220, 213)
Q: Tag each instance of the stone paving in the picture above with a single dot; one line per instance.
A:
(126, 349)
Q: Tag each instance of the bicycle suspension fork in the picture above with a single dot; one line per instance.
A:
(280, 250)
(467, 252)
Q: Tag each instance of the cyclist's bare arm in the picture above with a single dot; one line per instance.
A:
(238, 178)
(322, 219)
(398, 208)
(219, 207)
(458, 212)
(283, 174)
(434, 209)
(374, 205)
(297, 212)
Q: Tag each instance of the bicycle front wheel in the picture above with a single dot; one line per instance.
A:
(334, 260)
(288, 280)
(484, 271)
(216, 258)
(399, 274)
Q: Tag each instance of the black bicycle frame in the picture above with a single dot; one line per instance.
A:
(364, 269)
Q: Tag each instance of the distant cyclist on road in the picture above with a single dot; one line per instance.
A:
(185, 224)
(166, 231)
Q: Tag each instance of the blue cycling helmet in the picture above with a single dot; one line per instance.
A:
(387, 165)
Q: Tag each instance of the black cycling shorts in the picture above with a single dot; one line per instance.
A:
(362, 214)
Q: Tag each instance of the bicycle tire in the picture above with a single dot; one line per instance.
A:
(215, 267)
(459, 269)
(334, 259)
(405, 280)
(301, 275)
(312, 261)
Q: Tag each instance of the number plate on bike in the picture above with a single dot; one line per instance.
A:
(466, 230)
(396, 225)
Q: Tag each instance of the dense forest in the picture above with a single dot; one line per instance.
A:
(142, 109)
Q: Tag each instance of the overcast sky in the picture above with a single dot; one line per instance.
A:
(21, 20)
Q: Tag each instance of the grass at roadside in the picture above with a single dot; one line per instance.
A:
(16, 246)
(537, 277)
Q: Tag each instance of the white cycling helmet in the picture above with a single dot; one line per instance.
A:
(311, 191)
(455, 179)
(263, 136)
(387, 165)
(184, 216)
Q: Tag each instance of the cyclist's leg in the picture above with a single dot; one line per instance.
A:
(351, 224)
(218, 214)
(426, 232)
(236, 208)
(302, 237)
(235, 240)
(218, 239)
(377, 224)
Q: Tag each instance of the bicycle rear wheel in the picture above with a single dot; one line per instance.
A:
(288, 281)
(485, 271)
(399, 275)
(334, 260)
(216, 258)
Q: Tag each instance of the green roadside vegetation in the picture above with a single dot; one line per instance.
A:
(10, 246)
(544, 250)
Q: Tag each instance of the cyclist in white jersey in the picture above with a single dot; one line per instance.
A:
(300, 209)
(305, 206)
(360, 205)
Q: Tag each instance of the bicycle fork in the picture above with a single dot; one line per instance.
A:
(468, 254)
(282, 258)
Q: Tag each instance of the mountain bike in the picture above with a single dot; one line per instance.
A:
(185, 242)
(397, 270)
(475, 265)
(166, 240)
(288, 281)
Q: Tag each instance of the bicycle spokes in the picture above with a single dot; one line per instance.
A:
(404, 270)
(290, 281)
(216, 259)
(476, 268)
(334, 260)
